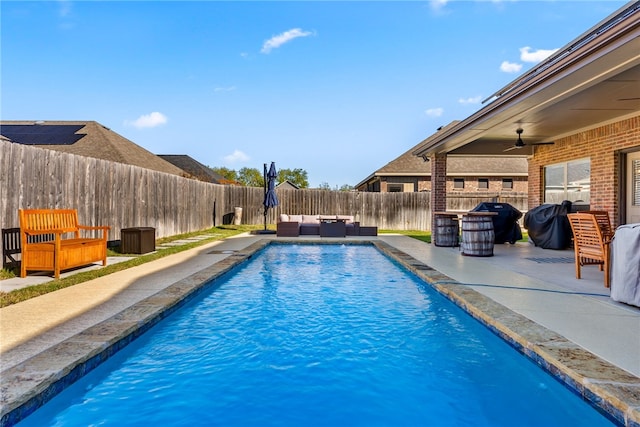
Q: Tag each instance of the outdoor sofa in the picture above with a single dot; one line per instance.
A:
(309, 225)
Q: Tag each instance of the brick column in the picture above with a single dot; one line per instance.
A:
(438, 185)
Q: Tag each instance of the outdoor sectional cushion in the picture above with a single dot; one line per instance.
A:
(294, 218)
(310, 224)
(310, 219)
(315, 219)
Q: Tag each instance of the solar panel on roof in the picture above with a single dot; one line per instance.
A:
(42, 134)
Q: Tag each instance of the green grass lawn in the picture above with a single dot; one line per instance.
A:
(425, 236)
(219, 233)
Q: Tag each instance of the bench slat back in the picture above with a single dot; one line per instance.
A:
(49, 219)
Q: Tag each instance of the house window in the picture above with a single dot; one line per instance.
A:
(507, 183)
(568, 181)
(483, 183)
(458, 183)
(394, 188)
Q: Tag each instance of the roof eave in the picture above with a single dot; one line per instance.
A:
(541, 78)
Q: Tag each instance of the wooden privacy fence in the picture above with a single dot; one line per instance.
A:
(124, 196)
(391, 211)
(103, 192)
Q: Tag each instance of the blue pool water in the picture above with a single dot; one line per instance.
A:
(318, 335)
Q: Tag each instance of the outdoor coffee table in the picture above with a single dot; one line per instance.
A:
(332, 228)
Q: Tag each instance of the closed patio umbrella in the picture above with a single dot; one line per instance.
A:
(270, 197)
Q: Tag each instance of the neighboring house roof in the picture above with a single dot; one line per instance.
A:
(595, 79)
(195, 169)
(84, 138)
(408, 164)
(288, 185)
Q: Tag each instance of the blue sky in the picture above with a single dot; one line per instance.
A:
(338, 89)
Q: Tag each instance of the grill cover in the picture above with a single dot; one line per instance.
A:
(505, 224)
(549, 226)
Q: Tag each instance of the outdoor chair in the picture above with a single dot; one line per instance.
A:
(602, 217)
(590, 244)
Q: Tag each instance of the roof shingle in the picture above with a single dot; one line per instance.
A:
(84, 138)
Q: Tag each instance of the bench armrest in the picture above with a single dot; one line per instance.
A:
(50, 231)
(99, 227)
(105, 229)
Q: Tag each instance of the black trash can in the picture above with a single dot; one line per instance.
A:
(137, 240)
(549, 226)
(505, 224)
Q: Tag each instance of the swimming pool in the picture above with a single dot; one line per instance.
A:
(318, 335)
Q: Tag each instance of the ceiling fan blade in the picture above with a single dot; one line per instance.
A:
(511, 148)
(542, 143)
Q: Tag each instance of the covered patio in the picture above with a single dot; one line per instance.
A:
(575, 117)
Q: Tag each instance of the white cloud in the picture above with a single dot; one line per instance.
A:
(467, 101)
(527, 55)
(148, 121)
(224, 89)
(434, 112)
(510, 67)
(235, 157)
(438, 5)
(277, 41)
(64, 8)
(65, 15)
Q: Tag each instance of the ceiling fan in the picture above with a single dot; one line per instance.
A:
(520, 143)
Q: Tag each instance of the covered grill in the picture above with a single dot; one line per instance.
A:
(505, 224)
(549, 226)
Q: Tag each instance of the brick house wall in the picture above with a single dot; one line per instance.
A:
(602, 145)
(470, 184)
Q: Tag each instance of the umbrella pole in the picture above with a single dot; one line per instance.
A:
(264, 185)
(273, 201)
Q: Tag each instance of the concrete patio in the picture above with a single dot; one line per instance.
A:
(42, 337)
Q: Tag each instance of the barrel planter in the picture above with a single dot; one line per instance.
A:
(446, 230)
(478, 235)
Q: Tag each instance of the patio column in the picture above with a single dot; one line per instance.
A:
(438, 185)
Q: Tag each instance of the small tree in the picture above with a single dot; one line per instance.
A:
(295, 176)
(251, 177)
(229, 174)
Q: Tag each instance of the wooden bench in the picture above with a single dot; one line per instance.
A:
(61, 252)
